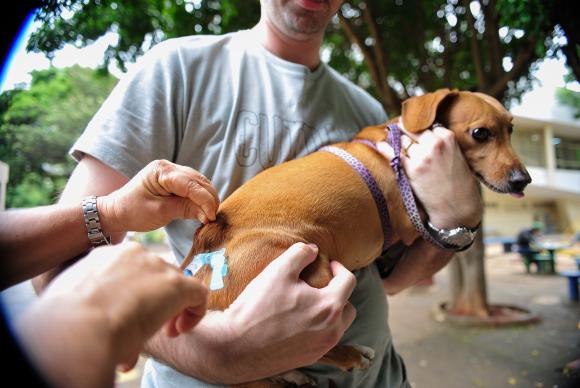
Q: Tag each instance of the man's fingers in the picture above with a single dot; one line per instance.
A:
(343, 282)
(441, 131)
(190, 309)
(189, 318)
(386, 149)
(185, 186)
(126, 366)
(348, 315)
(195, 295)
(170, 327)
(296, 258)
(202, 181)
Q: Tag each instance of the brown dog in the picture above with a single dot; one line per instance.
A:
(320, 199)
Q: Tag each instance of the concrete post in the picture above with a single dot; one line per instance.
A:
(4, 173)
(550, 152)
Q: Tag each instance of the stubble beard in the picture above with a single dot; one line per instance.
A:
(301, 23)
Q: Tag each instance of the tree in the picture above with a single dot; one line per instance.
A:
(39, 125)
(394, 49)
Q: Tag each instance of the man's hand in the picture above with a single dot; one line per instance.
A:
(161, 192)
(111, 303)
(441, 178)
(280, 316)
(277, 323)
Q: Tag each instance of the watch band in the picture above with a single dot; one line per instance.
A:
(457, 239)
(91, 216)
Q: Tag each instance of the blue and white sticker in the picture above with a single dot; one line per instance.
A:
(218, 263)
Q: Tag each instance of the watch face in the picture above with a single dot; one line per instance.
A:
(460, 239)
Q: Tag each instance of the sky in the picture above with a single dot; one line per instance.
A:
(21, 63)
(539, 103)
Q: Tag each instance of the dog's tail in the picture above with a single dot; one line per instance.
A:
(208, 238)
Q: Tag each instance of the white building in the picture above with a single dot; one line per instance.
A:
(548, 141)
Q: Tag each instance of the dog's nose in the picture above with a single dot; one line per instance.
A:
(518, 180)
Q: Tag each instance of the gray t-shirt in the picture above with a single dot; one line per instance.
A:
(228, 108)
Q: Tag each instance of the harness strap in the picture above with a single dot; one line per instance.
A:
(394, 137)
(372, 185)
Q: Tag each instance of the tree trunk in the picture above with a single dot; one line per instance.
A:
(467, 281)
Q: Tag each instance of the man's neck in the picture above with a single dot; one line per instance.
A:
(305, 52)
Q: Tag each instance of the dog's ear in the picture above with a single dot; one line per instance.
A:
(419, 113)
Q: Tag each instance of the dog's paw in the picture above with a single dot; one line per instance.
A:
(366, 357)
(294, 378)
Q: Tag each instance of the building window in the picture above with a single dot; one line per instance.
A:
(567, 153)
(529, 146)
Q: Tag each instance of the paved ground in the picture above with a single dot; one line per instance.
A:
(439, 355)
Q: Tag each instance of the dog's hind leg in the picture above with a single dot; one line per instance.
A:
(348, 357)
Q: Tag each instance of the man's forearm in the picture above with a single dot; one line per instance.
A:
(198, 353)
(33, 241)
(420, 261)
(213, 353)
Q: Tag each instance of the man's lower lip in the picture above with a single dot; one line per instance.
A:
(311, 5)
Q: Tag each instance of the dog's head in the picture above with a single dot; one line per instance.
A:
(482, 128)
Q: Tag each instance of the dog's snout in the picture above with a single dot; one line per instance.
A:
(518, 180)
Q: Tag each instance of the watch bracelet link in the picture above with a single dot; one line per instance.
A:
(92, 222)
(444, 235)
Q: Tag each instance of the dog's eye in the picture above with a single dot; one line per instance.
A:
(511, 129)
(481, 134)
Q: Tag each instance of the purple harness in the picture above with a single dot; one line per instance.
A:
(366, 175)
(394, 138)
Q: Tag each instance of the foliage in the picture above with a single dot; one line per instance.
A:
(571, 98)
(154, 237)
(417, 45)
(394, 49)
(38, 126)
(140, 23)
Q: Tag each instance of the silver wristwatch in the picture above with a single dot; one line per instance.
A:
(456, 239)
(91, 215)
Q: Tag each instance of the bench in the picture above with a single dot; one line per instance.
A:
(573, 277)
(544, 263)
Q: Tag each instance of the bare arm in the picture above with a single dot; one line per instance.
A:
(420, 260)
(159, 193)
(228, 346)
(278, 323)
(33, 241)
(63, 231)
(96, 315)
(444, 183)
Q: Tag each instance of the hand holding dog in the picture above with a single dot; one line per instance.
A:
(279, 322)
(430, 162)
(100, 312)
(161, 192)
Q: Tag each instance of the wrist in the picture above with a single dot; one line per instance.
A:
(110, 223)
(455, 215)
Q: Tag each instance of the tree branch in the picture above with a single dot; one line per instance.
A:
(369, 60)
(492, 33)
(475, 49)
(522, 63)
(381, 65)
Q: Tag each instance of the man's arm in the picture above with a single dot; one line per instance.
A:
(268, 329)
(64, 231)
(447, 189)
(278, 323)
(77, 310)
(159, 193)
(419, 261)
